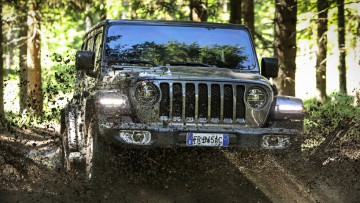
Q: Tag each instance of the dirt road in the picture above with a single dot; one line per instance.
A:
(30, 172)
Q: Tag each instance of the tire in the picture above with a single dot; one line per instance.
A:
(96, 154)
(68, 166)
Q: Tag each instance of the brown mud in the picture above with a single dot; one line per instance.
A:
(30, 171)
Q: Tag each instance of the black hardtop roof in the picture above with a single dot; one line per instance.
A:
(170, 23)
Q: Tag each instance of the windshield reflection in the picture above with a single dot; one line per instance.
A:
(168, 45)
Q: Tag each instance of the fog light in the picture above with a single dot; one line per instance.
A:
(136, 137)
(275, 141)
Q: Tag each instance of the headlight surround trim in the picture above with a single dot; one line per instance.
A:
(256, 97)
(146, 93)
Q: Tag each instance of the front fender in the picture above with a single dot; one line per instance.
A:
(287, 112)
(286, 107)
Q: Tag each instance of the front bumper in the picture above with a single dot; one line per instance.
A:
(174, 135)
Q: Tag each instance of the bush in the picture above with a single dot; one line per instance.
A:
(323, 118)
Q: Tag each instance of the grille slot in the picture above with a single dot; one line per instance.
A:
(240, 104)
(228, 101)
(190, 100)
(202, 102)
(215, 101)
(178, 100)
(165, 100)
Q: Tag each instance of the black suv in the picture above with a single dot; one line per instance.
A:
(152, 84)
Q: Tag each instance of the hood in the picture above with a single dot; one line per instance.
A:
(187, 73)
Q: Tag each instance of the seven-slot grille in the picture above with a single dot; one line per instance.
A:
(202, 102)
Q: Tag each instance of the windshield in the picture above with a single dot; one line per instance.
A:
(185, 46)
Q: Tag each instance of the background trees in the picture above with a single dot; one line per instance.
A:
(322, 9)
(285, 45)
(235, 11)
(198, 10)
(22, 11)
(249, 15)
(341, 41)
(1, 66)
(40, 39)
(34, 92)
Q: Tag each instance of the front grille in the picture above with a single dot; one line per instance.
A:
(202, 102)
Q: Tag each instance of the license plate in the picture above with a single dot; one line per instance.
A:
(207, 139)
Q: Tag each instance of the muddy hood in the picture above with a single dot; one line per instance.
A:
(187, 73)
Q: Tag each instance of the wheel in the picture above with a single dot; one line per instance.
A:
(76, 167)
(96, 154)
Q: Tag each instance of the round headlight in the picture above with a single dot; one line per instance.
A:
(256, 97)
(146, 93)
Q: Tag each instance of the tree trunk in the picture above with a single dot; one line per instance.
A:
(285, 45)
(34, 91)
(358, 56)
(23, 82)
(88, 18)
(2, 113)
(322, 7)
(249, 16)
(9, 48)
(191, 7)
(198, 10)
(235, 11)
(341, 41)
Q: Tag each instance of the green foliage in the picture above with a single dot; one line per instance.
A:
(323, 118)
(264, 28)
(61, 37)
(63, 26)
(58, 85)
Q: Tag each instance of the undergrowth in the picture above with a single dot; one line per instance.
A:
(323, 118)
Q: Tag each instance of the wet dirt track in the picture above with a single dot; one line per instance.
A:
(30, 172)
(182, 175)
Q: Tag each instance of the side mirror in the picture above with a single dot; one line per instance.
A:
(269, 67)
(84, 60)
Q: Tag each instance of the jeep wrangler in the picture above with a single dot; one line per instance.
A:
(146, 84)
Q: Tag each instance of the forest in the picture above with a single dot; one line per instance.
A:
(317, 43)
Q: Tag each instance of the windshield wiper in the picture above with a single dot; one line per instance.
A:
(132, 61)
(188, 63)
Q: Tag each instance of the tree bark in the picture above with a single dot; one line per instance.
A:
(249, 16)
(198, 10)
(88, 18)
(341, 42)
(191, 7)
(9, 48)
(2, 113)
(23, 82)
(34, 88)
(322, 7)
(285, 45)
(235, 11)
